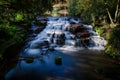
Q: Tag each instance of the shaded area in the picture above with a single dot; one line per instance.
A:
(82, 65)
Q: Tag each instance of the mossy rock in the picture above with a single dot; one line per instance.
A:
(29, 60)
(58, 60)
(51, 49)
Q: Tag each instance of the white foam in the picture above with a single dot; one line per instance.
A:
(59, 25)
(99, 40)
(32, 52)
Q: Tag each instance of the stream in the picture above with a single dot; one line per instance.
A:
(78, 46)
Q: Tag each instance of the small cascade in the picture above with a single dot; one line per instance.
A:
(64, 33)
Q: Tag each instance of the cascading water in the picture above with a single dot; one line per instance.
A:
(60, 33)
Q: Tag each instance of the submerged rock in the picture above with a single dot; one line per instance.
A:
(39, 29)
(51, 48)
(58, 60)
(29, 60)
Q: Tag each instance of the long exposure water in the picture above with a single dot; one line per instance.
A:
(80, 59)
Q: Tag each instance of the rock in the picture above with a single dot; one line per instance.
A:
(77, 25)
(29, 60)
(75, 28)
(83, 34)
(51, 49)
(59, 41)
(39, 29)
(39, 44)
(41, 23)
(62, 36)
(85, 40)
(58, 60)
(39, 18)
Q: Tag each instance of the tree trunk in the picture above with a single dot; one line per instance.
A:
(117, 10)
(111, 20)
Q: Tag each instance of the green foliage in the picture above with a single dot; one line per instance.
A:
(113, 46)
(10, 34)
(19, 17)
(113, 52)
(99, 30)
(91, 10)
(73, 8)
(15, 15)
(16, 12)
(55, 11)
(114, 38)
(95, 11)
(14, 33)
(17, 9)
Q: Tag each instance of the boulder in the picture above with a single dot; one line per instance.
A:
(39, 29)
(75, 28)
(83, 34)
(39, 44)
(85, 40)
(59, 41)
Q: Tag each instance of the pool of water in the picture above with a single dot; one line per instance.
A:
(80, 65)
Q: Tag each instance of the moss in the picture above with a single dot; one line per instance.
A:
(58, 60)
(51, 49)
(29, 60)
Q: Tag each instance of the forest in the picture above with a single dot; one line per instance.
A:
(16, 17)
(104, 15)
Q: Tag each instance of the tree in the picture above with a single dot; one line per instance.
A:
(91, 9)
(15, 15)
(112, 6)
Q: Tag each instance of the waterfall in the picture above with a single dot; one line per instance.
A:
(64, 33)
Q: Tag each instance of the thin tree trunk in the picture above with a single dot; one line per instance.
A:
(117, 9)
(111, 20)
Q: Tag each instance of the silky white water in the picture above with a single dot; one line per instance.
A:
(58, 36)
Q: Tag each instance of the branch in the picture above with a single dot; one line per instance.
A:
(111, 20)
(108, 12)
(117, 9)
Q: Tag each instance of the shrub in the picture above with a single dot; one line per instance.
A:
(111, 51)
(114, 38)
(19, 17)
(12, 32)
(99, 30)
(113, 46)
